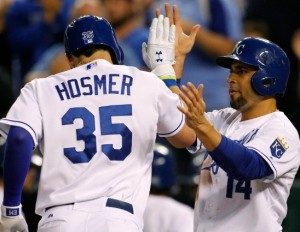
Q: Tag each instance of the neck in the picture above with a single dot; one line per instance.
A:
(100, 54)
(259, 109)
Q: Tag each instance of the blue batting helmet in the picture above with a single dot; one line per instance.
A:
(89, 30)
(271, 62)
(163, 169)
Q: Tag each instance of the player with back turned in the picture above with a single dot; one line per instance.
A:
(252, 148)
(96, 126)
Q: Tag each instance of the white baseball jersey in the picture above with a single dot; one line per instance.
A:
(165, 214)
(225, 204)
(96, 127)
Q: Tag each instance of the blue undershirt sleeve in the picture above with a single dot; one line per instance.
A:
(17, 158)
(239, 161)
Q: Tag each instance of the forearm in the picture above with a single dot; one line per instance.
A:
(239, 161)
(17, 158)
(184, 138)
(208, 136)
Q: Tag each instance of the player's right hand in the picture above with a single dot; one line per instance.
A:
(12, 219)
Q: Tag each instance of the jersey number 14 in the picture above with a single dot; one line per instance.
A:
(241, 186)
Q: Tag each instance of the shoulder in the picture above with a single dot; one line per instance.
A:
(281, 121)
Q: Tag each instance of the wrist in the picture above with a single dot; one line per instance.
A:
(179, 65)
(208, 135)
(164, 70)
(169, 80)
(11, 211)
(166, 73)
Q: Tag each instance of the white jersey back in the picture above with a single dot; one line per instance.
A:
(96, 127)
(225, 204)
(165, 214)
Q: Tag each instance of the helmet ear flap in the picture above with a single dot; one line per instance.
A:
(263, 84)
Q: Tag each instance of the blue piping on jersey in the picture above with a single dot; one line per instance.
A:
(174, 129)
(4, 119)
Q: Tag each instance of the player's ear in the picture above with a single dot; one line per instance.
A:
(71, 61)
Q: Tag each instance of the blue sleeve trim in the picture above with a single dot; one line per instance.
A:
(17, 158)
(239, 161)
(167, 134)
(15, 121)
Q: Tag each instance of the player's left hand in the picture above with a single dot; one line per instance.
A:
(12, 219)
(159, 51)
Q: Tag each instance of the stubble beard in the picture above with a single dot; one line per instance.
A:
(238, 103)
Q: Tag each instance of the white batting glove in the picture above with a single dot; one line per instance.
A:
(159, 52)
(12, 219)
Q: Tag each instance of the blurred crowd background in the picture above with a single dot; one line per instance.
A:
(31, 46)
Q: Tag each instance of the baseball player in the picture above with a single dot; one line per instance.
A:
(163, 213)
(252, 148)
(96, 126)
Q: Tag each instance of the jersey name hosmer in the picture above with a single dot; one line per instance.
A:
(107, 84)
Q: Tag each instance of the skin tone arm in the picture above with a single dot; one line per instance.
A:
(195, 116)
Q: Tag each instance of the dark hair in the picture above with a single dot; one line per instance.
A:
(90, 50)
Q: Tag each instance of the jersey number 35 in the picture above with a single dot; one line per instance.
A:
(86, 133)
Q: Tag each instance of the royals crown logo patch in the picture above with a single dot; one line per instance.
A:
(278, 147)
(88, 37)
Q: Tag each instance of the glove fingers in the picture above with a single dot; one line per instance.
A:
(159, 34)
(144, 52)
(152, 31)
(166, 29)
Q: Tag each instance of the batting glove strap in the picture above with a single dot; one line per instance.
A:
(164, 70)
(166, 73)
(11, 211)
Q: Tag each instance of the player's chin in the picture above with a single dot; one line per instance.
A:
(237, 102)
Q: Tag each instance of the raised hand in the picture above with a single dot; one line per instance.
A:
(159, 51)
(195, 106)
(183, 42)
